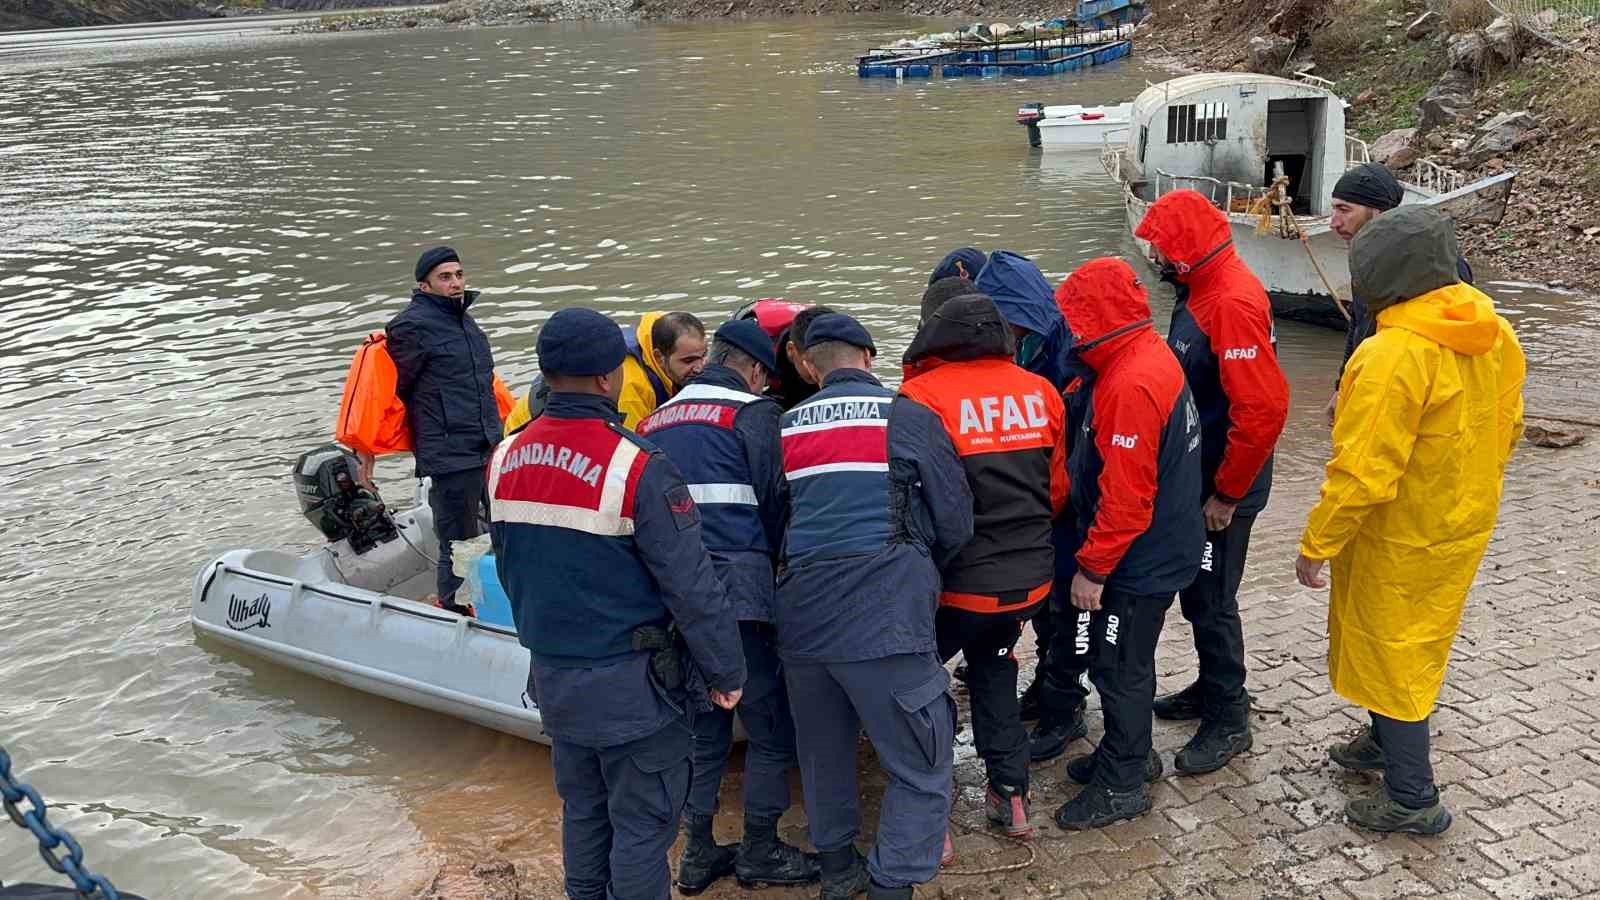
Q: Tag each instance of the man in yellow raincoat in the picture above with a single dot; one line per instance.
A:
(664, 352)
(1430, 408)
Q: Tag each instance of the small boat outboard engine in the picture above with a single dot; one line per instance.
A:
(334, 500)
(1030, 115)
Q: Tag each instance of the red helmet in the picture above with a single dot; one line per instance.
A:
(773, 314)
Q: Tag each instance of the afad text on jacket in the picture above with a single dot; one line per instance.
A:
(1007, 427)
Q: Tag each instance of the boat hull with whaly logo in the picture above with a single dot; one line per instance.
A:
(347, 618)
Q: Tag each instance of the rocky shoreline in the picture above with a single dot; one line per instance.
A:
(1471, 90)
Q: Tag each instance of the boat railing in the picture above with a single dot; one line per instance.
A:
(1431, 176)
(1356, 152)
(1228, 196)
(1112, 151)
(1035, 39)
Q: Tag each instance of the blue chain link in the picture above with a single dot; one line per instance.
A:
(34, 819)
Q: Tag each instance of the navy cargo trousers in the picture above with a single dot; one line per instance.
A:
(619, 813)
(904, 703)
(770, 754)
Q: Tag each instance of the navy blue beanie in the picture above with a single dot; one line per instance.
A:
(751, 338)
(839, 327)
(578, 341)
(432, 259)
(971, 259)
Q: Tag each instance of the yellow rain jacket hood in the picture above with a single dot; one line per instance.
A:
(1429, 410)
(645, 384)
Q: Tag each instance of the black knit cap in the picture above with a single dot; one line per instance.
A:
(1370, 184)
(433, 258)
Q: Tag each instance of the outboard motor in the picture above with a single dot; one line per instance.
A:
(334, 500)
(1030, 115)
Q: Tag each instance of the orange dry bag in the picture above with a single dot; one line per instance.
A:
(372, 419)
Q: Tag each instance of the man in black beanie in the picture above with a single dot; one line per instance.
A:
(1361, 194)
(446, 380)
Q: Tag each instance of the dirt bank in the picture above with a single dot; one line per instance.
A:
(1478, 97)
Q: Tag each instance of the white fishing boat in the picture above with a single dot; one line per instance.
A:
(1071, 126)
(1231, 135)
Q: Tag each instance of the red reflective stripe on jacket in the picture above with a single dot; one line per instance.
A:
(986, 603)
(842, 444)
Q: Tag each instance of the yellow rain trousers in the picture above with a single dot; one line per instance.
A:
(1429, 410)
(639, 396)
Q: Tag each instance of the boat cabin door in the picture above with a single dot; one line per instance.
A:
(1297, 137)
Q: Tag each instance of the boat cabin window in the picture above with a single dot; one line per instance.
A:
(1144, 141)
(1193, 123)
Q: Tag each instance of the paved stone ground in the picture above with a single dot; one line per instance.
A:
(1516, 740)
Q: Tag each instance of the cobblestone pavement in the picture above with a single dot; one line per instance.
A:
(1516, 740)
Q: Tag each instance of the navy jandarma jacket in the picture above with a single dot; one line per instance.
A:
(874, 514)
(724, 440)
(597, 535)
(446, 381)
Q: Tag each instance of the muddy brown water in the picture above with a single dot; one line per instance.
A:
(197, 234)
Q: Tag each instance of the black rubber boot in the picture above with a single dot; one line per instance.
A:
(1183, 706)
(1028, 701)
(1051, 736)
(844, 873)
(704, 860)
(1218, 741)
(1081, 769)
(876, 891)
(766, 860)
(1097, 807)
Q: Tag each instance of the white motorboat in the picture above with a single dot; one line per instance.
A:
(1072, 127)
(354, 619)
(1229, 135)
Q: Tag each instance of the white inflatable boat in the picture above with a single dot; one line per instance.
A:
(352, 618)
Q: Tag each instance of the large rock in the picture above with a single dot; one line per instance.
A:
(1502, 134)
(1468, 51)
(1269, 53)
(1503, 40)
(1447, 102)
(1424, 25)
(1394, 149)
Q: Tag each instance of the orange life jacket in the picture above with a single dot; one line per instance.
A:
(372, 418)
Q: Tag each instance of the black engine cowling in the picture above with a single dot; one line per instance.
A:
(333, 499)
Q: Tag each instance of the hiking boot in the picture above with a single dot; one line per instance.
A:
(1052, 735)
(948, 855)
(1380, 812)
(1186, 704)
(704, 860)
(844, 873)
(1081, 769)
(1359, 755)
(1213, 745)
(1009, 809)
(766, 860)
(1028, 701)
(876, 891)
(1097, 807)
